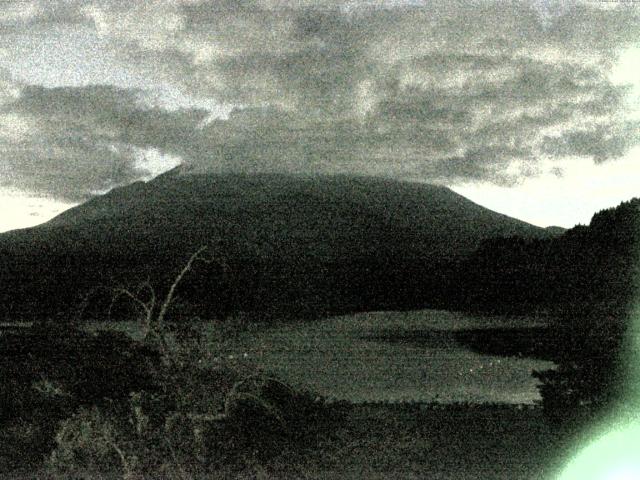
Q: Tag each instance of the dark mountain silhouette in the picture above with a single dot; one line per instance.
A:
(290, 243)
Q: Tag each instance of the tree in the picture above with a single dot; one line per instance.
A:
(154, 311)
(595, 317)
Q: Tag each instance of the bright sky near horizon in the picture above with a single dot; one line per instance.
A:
(531, 109)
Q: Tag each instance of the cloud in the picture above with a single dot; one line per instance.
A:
(71, 142)
(600, 142)
(19, 14)
(448, 92)
(486, 79)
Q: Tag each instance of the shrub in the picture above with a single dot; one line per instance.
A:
(46, 377)
(154, 407)
(179, 434)
(589, 379)
(91, 443)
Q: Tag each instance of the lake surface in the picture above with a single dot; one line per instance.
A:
(374, 356)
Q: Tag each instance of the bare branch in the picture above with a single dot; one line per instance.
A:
(123, 459)
(150, 305)
(85, 301)
(121, 291)
(167, 301)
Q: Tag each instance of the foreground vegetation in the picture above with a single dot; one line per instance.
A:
(385, 441)
(167, 402)
(88, 405)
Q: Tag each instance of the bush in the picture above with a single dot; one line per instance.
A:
(46, 376)
(151, 407)
(181, 434)
(589, 379)
(91, 443)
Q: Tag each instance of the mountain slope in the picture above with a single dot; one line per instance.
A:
(334, 241)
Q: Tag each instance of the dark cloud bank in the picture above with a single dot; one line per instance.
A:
(448, 92)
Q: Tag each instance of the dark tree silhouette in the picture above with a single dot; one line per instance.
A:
(585, 280)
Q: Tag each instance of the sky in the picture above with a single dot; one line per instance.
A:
(531, 108)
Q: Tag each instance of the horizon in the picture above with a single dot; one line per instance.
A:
(26, 221)
(534, 112)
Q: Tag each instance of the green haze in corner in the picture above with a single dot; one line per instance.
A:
(612, 450)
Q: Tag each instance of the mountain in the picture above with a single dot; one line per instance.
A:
(289, 242)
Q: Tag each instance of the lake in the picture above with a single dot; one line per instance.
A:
(388, 356)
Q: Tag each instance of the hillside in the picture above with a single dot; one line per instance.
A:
(589, 270)
(336, 242)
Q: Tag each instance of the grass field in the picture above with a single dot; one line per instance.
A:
(381, 356)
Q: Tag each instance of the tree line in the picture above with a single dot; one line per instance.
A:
(586, 282)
